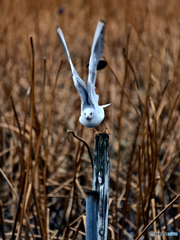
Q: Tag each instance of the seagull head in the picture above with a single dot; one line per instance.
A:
(89, 113)
(91, 117)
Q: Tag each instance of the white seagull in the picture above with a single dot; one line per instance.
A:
(91, 113)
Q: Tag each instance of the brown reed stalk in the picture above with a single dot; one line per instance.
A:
(154, 213)
(69, 210)
(37, 157)
(126, 195)
(30, 140)
(24, 130)
(19, 202)
(123, 90)
(162, 93)
(47, 150)
(39, 216)
(18, 207)
(156, 156)
(42, 125)
(64, 215)
(77, 229)
(141, 102)
(119, 129)
(30, 228)
(2, 220)
(38, 140)
(158, 216)
(36, 127)
(140, 164)
(73, 187)
(167, 125)
(21, 138)
(162, 194)
(17, 120)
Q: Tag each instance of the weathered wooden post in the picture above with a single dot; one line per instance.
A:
(91, 213)
(101, 183)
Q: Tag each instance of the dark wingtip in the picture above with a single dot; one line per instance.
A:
(101, 64)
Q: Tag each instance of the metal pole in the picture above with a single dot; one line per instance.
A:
(91, 212)
(101, 183)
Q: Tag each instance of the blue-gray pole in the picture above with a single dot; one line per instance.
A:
(91, 213)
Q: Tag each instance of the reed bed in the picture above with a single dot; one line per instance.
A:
(43, 176)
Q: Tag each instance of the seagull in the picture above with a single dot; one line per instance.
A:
(92, 114)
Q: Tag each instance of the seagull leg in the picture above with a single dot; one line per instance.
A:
(96, 133)
(106, 129)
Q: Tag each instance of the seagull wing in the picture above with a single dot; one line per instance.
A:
(96, 53)
(78, 82)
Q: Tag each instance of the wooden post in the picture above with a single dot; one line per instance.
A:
(101, 183)
(91, 213)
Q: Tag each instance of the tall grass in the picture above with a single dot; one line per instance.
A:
(43, 176)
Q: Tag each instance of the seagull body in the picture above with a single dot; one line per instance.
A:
(91, 113)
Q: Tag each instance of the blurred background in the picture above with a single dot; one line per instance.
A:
(44, 176)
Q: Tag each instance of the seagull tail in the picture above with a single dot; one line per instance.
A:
(106, 105)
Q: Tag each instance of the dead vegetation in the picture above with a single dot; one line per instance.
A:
(43, 177)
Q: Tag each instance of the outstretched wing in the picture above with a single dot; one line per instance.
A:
(78, 82)
(96, 53)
